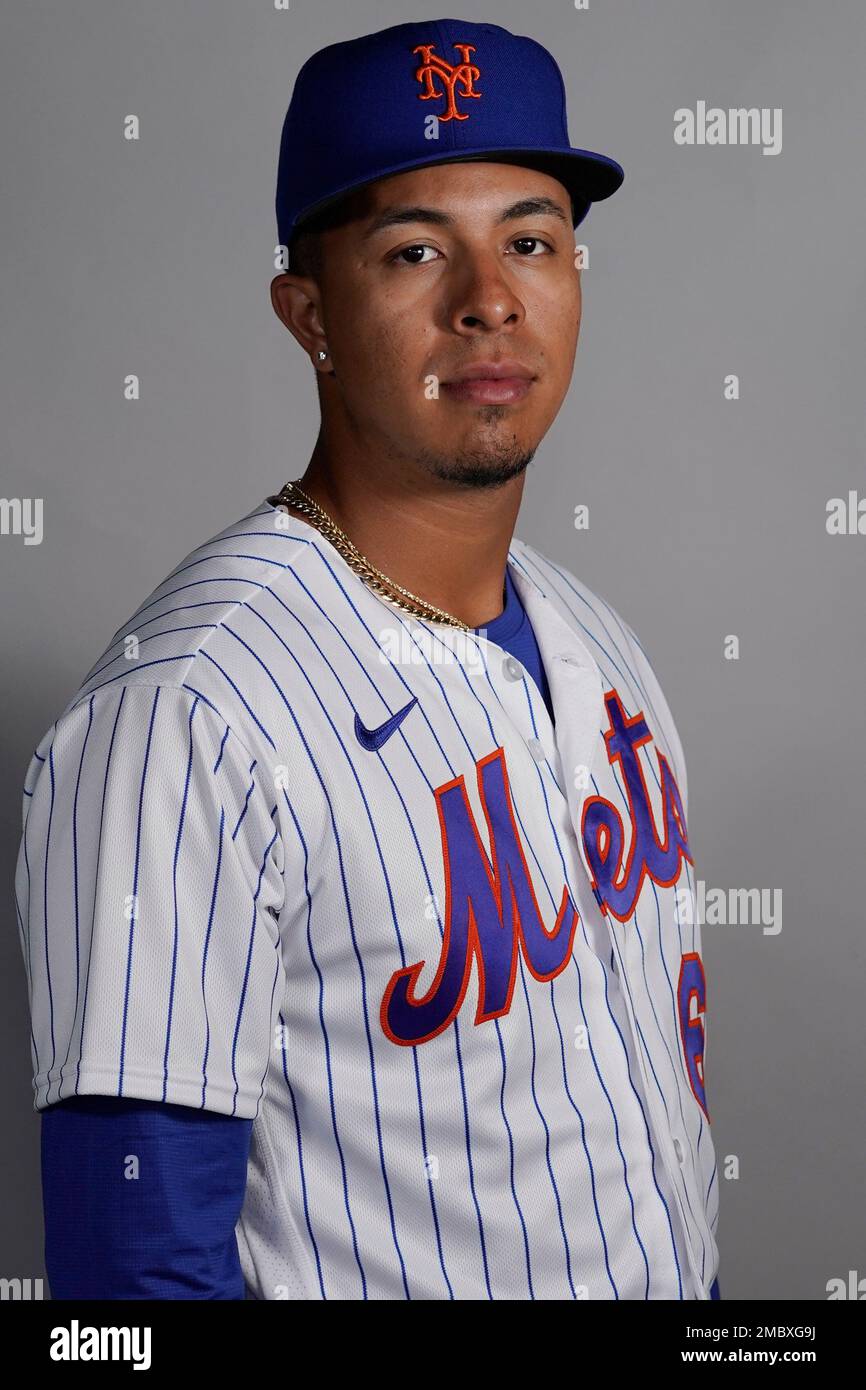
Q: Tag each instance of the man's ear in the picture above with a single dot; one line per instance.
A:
(296, 301)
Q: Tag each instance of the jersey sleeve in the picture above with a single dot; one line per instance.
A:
(149, 887)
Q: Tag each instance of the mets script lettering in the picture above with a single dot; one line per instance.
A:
(491, 911)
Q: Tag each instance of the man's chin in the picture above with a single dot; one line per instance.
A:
(484, 466)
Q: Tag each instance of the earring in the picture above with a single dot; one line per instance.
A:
(321, 355)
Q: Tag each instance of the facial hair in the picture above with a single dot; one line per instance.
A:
(490, 467)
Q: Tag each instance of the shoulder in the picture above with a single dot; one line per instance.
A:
(619, 653)
(187, 654)
(200, 629)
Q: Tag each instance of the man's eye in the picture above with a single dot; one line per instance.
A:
(530, 241)
(410, 251)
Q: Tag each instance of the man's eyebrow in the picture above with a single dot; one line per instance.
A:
(401, 215)
(534, 207)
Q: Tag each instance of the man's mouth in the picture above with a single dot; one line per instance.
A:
(490, 383)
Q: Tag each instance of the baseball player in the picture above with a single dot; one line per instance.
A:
(355, 885)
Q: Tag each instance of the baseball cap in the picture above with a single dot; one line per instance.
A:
(362, 109)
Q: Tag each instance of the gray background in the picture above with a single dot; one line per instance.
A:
(707, 517)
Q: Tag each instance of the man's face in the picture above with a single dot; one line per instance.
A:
(453, 272)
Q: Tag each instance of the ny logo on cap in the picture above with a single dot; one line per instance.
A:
(433, 66)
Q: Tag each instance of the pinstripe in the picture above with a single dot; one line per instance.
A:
(274, 983)
(21, 939)
(461, 1076)
(246, 978)
(98, 858)
(124, 675)
(174, 943)
(153, 637)
(75, 856)
(25, 859)
(45, 916)
(134, 912)
(205, 701)
(300, 1149)
(240, 818)
(210, 922)
(246, 704)
(216, 766)
(523, 1230)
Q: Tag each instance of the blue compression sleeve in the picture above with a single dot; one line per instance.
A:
(141, 1199)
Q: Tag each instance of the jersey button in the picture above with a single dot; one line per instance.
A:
(536, 748)
(678, 1149)
(512, 669)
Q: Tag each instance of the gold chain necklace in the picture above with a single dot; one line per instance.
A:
(410, 603)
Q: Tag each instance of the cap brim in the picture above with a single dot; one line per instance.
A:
(589, 177)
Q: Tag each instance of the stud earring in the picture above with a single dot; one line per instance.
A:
(321, 355)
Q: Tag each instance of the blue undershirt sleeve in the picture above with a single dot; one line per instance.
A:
(141, 1199)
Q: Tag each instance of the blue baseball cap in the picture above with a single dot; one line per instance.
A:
(426, 93)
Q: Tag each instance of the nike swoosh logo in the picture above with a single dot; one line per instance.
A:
(371, 739)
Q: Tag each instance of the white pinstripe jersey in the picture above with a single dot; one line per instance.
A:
(446, 962)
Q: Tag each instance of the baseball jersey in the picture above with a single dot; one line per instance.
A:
(293, 855)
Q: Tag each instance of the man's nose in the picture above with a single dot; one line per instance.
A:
(483, 296)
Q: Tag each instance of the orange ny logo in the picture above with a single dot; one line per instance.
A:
(433, 66)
